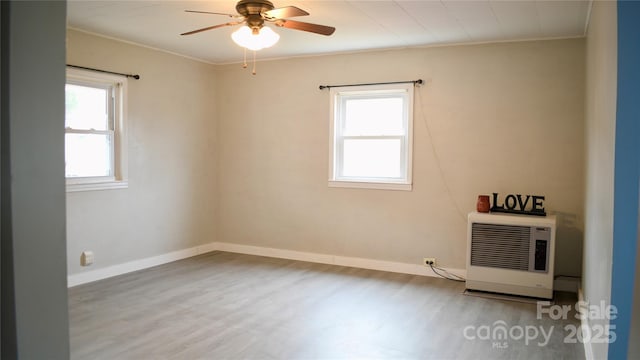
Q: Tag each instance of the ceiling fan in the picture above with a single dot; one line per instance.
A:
(254, 13)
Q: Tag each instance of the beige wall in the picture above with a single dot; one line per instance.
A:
(217, 154)
(601, 50)
(169, 204)
(502, 118)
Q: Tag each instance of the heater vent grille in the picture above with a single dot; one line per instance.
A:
(500, 246)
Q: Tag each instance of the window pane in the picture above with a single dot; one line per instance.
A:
(87, 155)
(374, 116)
(86, 107)
(372, 158)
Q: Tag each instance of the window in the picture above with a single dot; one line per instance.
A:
(371, 130)
(95, 141)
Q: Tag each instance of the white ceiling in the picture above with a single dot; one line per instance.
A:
(360, 25)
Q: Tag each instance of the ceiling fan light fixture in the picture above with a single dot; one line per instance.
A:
(246, 38)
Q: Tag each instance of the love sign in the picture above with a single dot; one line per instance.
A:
(519, 204)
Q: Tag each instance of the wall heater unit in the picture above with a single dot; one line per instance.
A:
(511, 254)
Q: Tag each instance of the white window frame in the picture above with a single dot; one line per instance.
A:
(338, 97)
(118, 86)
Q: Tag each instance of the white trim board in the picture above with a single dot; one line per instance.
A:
(584, 323)
(362, 263)
(135, 265)
(371, 264)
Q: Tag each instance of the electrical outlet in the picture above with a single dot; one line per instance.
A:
(429, 261)
(86, 258)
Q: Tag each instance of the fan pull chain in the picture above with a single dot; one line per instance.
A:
(244, 61)
(254, 63)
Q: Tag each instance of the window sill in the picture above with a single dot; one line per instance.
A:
(370, 185)
(95, 186)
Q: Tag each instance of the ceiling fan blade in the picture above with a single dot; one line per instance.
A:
(213, 13)
(284, 12)
(298, 25)
(213, 27)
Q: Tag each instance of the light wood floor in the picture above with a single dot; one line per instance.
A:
(231, 306)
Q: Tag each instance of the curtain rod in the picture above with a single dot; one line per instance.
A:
(414, 82)
(105, 71)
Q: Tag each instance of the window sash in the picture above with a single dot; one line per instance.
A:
(110, 137)
(339, 161)
(110, 89)
(82, 131)
(110, 132)
(375, 95)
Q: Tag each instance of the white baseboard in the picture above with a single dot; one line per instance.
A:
(382, 265)
(584, 322)
(363, 263)
(135, 265)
